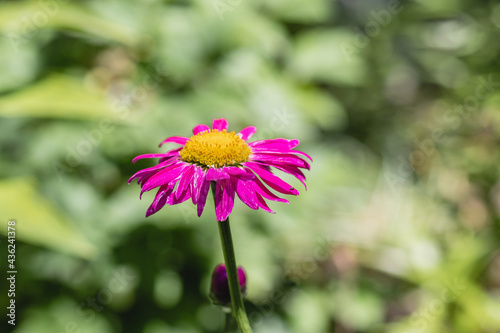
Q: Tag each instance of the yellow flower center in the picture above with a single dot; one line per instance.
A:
(214, 149)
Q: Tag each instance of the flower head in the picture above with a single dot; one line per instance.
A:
(236, 166)
(219, 289)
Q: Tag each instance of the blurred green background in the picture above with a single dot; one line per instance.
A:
(397, 102)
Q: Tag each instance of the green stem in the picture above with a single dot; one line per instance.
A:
(238, 307)
(229, 325)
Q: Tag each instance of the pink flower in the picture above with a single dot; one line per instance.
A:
(237, 168)
(219, 289)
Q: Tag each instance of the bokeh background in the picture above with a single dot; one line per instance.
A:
(397, 102)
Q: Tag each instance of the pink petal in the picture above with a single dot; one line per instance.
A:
(169, 158)
(263, 204)
(282, 159)
(174, 200)
(171, 153)
(224, 199)
(294, 171)
(264, 191)
(143, 172)
(175, 139)
(164, 177)
(280, 144)
(186, 177)
(247, 132)
(240, 173)
(278, 151)
(247, 194)
(148, 156)
(220, 124)
(271, 180)
(202, 197)
(198, 177)
(227, 199)
(218, 200)
(143, 178)
(200, 128)
(160, 199)
(217, 174)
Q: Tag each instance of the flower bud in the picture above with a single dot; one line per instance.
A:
(219, 290)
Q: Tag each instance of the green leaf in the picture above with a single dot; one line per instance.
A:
(38, 221)
(322, 109)
(25, 20)
(302, 11)
(330, 56)
(58, 96)
(17, 65)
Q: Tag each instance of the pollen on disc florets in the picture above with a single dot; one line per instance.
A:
(215, 149)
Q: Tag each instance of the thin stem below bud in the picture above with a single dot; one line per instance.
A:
(238, 308)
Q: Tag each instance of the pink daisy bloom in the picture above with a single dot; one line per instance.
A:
(216, 155)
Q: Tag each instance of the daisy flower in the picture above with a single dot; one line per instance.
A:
(236, 166)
